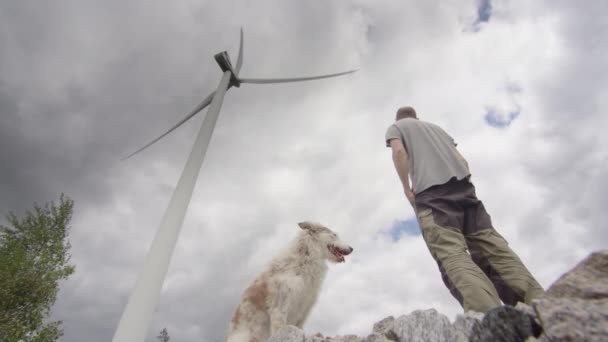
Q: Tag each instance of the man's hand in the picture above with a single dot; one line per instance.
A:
(409, 194)
(459, 155)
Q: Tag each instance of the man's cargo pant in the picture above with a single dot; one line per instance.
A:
(453, 221)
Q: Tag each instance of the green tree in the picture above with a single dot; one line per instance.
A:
(163, 336)
(33, 258)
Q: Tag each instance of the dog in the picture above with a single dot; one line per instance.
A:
(286, 291)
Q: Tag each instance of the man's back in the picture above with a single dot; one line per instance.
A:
(432, 155)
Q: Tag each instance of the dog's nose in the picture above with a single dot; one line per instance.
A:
(350, 249)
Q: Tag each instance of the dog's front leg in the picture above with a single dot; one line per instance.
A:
(278, 308)
(278, 319)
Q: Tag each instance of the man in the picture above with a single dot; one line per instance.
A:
(475, 262)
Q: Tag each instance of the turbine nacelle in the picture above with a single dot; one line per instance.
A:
(223, 60)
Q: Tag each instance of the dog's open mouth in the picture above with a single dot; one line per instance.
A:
(338, 252)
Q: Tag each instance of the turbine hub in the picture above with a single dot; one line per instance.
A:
(223, 60)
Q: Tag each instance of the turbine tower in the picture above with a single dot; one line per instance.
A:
(144, 297)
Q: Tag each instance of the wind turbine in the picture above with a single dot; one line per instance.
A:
(144, 297)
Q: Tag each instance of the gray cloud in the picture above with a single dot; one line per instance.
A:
(82, 84)
(573, 107)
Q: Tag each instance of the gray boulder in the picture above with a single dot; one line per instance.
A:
(505, 324)
(575, 307)
(463, 325)
(587, 280)
(573, 319)
(318, 337)
(420, 325)
(347, 338)
(375, 337)
(423, 326)
(384, 328)
(288, 333)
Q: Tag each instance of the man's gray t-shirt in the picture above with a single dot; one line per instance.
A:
(432, 155)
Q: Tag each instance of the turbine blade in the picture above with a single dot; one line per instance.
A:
(196, 109)
(286, 80)
(239, 60)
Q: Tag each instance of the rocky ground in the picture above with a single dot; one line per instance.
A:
(575, 308)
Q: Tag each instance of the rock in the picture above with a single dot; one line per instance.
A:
(347, 338)
(528, 310)
(384, 325)
(575, 307)
(376, 337)
(573, 319)
(384, 328)
(505, 324)
(288, 333)
(525, 308)
(463, 325)
(423, 325)
(318, 337)
(588, 280)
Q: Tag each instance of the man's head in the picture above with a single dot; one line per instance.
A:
(405, 112)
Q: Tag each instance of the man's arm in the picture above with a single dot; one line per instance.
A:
(466, 163)
(400, 159)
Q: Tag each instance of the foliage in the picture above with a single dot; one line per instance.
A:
(33, 259)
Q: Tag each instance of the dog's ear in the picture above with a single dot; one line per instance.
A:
(305, 225)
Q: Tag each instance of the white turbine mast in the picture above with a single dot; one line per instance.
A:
(135, 319)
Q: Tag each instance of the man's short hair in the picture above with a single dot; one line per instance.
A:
(406, 112)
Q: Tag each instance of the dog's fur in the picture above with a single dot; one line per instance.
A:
(286, 291)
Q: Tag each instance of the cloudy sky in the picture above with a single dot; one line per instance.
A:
(521, 85)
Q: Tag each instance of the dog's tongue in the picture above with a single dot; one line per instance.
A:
(339, 255)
